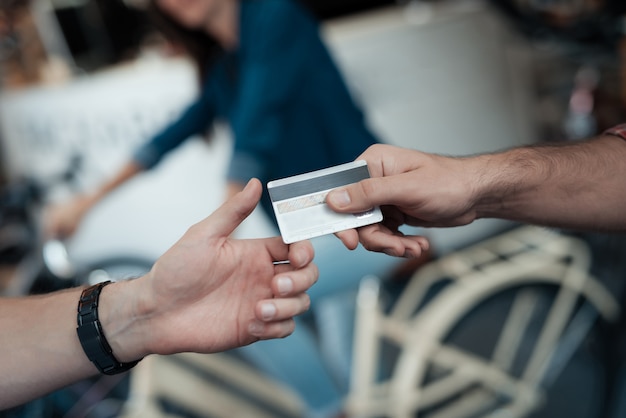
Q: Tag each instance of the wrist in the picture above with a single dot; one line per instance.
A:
(504, 179)
(122, 321)
(87, 201)
(483, 191)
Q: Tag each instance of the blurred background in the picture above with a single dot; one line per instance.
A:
(83, 82)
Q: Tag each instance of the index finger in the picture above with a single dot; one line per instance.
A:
(349, 238)
(298, 254)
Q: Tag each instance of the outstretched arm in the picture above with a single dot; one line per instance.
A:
(575, 185)
(207, 293)
(63, 219)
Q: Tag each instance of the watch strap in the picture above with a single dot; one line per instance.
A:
(91, 336)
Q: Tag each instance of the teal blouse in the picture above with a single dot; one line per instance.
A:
(286, 103)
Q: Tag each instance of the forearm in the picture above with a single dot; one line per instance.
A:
(574, 185)
(126, 173)
(40, 351)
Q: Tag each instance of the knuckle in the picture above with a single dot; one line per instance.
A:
(367, 187)
(287, 327)
(315, 274)
(306, 301)
(376, 148)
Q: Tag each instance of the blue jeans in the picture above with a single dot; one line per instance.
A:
(315, 363)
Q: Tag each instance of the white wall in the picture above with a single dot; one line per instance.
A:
(445, 80)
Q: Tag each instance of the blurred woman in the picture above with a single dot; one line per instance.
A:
(264, 69)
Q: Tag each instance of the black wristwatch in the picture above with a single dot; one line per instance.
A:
(92, 338)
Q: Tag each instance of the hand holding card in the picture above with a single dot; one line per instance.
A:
(299, 202)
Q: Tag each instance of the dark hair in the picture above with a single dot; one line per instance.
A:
(202, 48)
(12, 8)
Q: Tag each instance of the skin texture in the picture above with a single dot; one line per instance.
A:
(206, 294)
(573, 185)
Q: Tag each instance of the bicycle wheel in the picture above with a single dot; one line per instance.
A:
(489, 331)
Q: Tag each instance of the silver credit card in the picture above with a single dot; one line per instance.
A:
(300, 202)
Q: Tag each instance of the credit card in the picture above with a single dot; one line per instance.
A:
(299, 202)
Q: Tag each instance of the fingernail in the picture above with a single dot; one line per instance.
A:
(340, 198)
(256, 328)
(268, 310)
(285, 285)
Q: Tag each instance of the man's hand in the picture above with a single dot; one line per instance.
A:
(210, 293)
(412, 188)
(576, 185)
(63, 219)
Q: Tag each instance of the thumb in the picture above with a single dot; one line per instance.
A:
(235, 210)
(356, 197)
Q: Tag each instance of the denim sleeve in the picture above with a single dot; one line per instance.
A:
(194, 120)
(274, 45)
